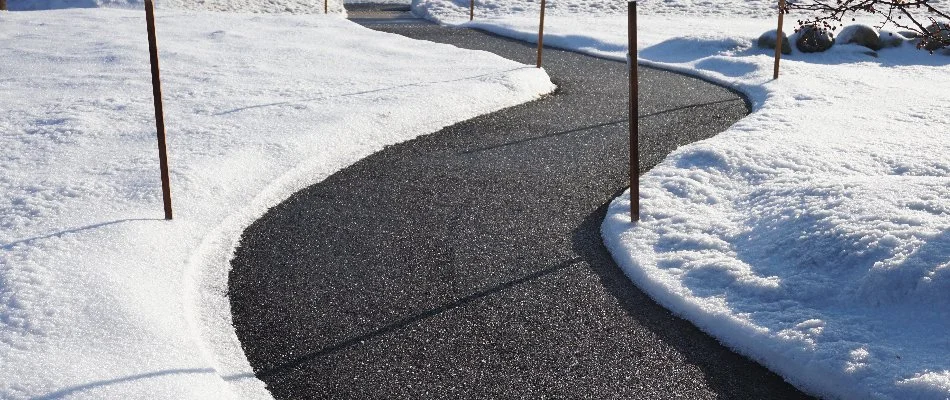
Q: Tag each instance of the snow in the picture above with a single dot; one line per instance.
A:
(99, 296)
(813, 235)
(233, 6)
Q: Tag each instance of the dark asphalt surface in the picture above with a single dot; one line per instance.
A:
(468, 263)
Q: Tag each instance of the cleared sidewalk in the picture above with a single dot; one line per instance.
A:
(468, 263)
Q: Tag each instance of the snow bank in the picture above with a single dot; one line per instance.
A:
(100, 297)
(238, 6)
(448, 10)
(813, 235)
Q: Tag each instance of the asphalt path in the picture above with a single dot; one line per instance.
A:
(468, 263)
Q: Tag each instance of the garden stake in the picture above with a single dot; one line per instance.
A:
(159, 113)
(634, 118)
(541, 34)
(778, 36)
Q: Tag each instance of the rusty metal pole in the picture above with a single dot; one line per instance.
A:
(778, 36)
(471, 10)
(634, 118)
(159, 113)
(541, 35)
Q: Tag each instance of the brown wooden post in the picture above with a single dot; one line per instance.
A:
(3, 4)
(326, 6)
(634, 117)
(159, 113)
(471, 10)
(778, 36)
(541, 35)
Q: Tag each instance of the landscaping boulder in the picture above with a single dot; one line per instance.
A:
(908, 34)
(891, 39)
(861, 35)
(813, 40)
(767, 41)
(943, 32)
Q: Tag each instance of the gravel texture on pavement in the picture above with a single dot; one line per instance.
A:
(468, 263)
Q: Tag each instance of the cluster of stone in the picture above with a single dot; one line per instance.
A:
(810, 39)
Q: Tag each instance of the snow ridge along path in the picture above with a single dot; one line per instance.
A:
(412, 273)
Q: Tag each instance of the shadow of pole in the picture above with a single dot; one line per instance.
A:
(7, 246)
(595, 126)
(405, 322)
(284, 103)
(125, 379)
(72, 390)
(688, 106)
(547, 136)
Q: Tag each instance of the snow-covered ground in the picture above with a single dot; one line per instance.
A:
(233, 6)
(813, 235)
(99, 297)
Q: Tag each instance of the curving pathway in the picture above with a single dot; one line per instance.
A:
(468, 263)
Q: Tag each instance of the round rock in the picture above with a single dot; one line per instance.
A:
(908, 34)
(891, 39)
(941, 31)
(861, 35)
(767, 41)
(813, 40)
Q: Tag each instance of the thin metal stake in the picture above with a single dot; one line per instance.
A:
(778, 36)
(541, 35)
(159, 113)
(634, 118)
